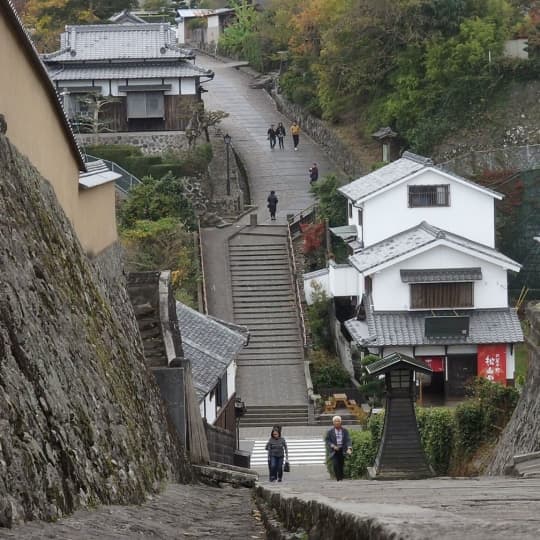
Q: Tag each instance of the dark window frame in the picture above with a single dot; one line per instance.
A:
(445, 295)
(428, 196)
(350, 210)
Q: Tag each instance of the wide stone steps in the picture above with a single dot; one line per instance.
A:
(286, 415)
(301, 452)
(264, 300)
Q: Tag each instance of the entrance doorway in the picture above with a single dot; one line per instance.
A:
(462, 368)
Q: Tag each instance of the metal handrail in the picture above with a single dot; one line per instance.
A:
(201, 260)
(297, 288)
(130, 180)
(297, 218)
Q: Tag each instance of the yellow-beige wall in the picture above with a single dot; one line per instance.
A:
(95, 221)
(36, 129)
(33, 125)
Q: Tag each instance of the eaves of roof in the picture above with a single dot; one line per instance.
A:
(8, 9)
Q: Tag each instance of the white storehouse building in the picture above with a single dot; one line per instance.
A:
(424, 275)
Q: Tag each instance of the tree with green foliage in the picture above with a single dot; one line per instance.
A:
(156, 199)
(163, 244)
(331, 204)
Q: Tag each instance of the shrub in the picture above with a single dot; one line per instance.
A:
(363, 456)
(319, 321)
(470, 428)
(437, 430)
(327, 371)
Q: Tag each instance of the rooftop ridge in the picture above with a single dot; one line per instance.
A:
(423, 160)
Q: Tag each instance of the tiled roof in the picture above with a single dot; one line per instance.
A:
(407, 328)
(210, 345)
(118, 42)
(398, 170)
(441, 274)
(97, 175)
(129, 71)
(385, 364)
(345, 232)
(412, 239)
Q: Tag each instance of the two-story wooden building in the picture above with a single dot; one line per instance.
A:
(135, 74)
(424, 273)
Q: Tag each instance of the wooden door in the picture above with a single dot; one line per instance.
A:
(461, 371)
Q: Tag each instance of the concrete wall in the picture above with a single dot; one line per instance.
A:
(34, 125)
(316, 281)
(150, 142)
(390, 293)
(471, 213)
(221, 444)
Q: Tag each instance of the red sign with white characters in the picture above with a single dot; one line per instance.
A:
(436, 363)
(492, 363)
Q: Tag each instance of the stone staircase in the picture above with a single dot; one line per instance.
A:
(282, 415)
(270, 369)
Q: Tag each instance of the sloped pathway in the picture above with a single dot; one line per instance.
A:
(251, 113)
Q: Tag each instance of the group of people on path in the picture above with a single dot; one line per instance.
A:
(338, 444)
(277, 134)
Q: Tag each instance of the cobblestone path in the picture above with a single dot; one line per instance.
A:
(179, 512)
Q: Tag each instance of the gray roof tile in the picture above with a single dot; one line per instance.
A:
(412, 239)
(125, 71)
(398, 170)
(117, 41)
(210, 344)
(392, 360)
(406, 328)
(438, 275)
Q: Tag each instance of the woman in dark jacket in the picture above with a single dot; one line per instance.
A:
(272, 205)
(277, 451)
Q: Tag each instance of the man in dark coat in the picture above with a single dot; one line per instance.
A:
(272, 205)
(313, 173)
(338, 441)
(272, 136)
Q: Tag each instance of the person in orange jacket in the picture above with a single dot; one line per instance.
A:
(295, 132)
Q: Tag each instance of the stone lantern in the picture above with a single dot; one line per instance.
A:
(387, 137)
(400, 455)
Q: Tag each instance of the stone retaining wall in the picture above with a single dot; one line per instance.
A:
(292, 517)
(150, 142)
(522, 433)
(510, 158)
(321, 134)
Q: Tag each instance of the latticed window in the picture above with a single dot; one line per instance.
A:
(145, 105)
(422, 196)
(442, 295)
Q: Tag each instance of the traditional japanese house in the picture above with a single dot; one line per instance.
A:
(424, 276)
(126, 77)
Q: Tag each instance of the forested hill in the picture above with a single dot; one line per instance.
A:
(424, 67)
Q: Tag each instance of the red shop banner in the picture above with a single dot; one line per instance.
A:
(436, 363)
(492, 363)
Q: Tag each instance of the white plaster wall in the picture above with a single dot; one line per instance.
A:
(510, 362)
(516, 48)
(320, 281)
(354, 220)
(470, 214)
(212, 34)
(187, 86)
(181, 32)
(429, 350)
(231, 379)
(343, 281)
(210, 409)
(390, 293)
(462, 349)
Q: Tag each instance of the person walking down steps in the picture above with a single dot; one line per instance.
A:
(272, 136)
(280, 133)
(313, 173)
(277, 452)
(272, 205)
(295, 132)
